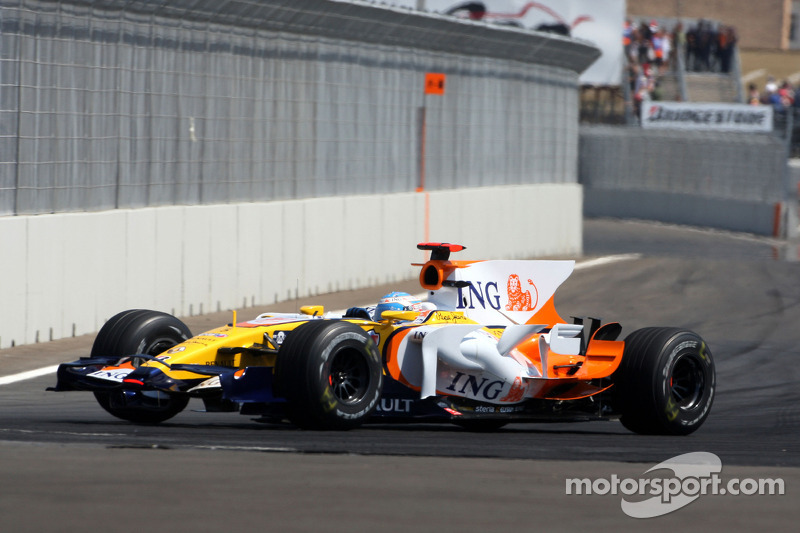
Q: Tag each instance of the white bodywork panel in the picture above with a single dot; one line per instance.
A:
(502, 292)
(466, 360)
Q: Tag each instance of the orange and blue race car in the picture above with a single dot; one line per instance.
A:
(486, 347)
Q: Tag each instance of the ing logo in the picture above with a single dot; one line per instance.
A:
(519, 299)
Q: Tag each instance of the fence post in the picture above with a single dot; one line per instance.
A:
(790, 189)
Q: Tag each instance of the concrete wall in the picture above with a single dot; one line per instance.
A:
(65, 274)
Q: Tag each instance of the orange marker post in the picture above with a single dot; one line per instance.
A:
(434, 84)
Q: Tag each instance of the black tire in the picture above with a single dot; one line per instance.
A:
(331, 375)
(665, 383)
(140, 331)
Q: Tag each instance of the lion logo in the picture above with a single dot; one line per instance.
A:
(519, 300)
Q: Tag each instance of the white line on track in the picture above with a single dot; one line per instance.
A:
(606, 260)
(269, 449)
(72, 433)
(591, 263)
(30, 374)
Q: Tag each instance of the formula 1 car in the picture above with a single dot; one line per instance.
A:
(486, 348)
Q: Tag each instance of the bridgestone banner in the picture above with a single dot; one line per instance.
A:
(716, 117)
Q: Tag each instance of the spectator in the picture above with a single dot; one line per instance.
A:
(786, 95)
(726, 41)
(643, 87)
(691, 48)
(771, 86)
(705, 43)
(709, 49)
(753, 96)
(627, 37)
(773, 98)
(644, 45)
(658, 47)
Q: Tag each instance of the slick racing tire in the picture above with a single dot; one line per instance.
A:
(331, 375)
(665, 382)
(140, 331)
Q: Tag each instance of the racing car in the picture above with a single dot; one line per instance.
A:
(486, 347)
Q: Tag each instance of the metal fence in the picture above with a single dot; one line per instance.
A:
(787, 126)
(116, 104)
(735, 166)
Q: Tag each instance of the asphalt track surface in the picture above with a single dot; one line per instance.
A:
(66, 465)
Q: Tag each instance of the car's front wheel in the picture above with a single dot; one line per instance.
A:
(140, 331)
(331, 375)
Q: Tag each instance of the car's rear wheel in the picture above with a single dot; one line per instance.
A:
(665, 383)
(140, 331)
(331, 375)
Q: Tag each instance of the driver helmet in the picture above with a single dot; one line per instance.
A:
(397, 301)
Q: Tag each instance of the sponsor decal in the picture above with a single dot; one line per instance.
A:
(111, 374)
(519, 299)
(223, 362)
(456, 318)
(210, 334)
(516, 393)
(423, 316)
(279, 337)
(397, 405)
(375, 336)
(476, 387)
(196, 340)
(177, 349)
(480, 295)
(211, 383)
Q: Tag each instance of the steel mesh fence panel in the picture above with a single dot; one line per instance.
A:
(739, 166)
(108, 105)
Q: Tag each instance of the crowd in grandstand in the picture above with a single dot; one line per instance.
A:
(707, 47)
(651, 51)
(781, 97)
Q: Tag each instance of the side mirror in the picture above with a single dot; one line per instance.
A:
(404, 316)
(313, 310)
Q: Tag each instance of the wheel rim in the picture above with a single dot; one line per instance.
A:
(687, 382)
(349, 376)
(156, 347)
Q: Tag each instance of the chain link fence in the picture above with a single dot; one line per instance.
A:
(787, 126)
(737, 166)
(112, 104)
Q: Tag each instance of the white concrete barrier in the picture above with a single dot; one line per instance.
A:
(65, 274)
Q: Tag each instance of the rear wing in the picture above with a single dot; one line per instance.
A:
(496, 292)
